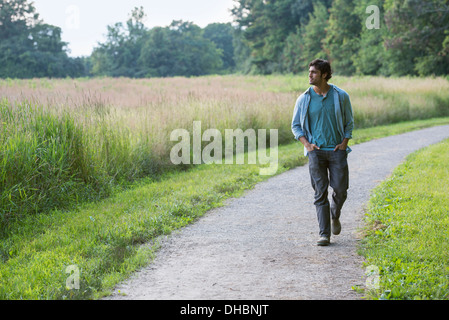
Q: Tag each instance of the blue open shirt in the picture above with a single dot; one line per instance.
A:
(322, 121)
(343, 115)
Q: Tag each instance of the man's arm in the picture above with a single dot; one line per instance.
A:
(307, 145)
(296, 122)
(343, 145)
(348, 117)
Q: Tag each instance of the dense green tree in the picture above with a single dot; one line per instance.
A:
(242, 52)
(118, 56)
(267, 36)
(281, 20)
(266, 25)
(222, 35)
(370, 58)
(251, 17)
(314, 32)
(31, 48)
(293, 54)
(342, 39)
(306, 43)
(264, 30)
(157, 53)
(179, 50)
(417, 31)
(445, 50)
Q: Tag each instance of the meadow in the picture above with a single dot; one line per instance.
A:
(64, 141)
(86, 176)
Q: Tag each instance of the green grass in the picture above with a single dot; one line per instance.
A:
(111, 238)
(69, 141)
(105, 239)
(407, 225)
(50, 160)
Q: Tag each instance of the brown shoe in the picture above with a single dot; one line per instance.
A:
(324, 241)
(336, 226)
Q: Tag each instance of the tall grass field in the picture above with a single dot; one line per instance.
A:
(85, 166)
(65, 141)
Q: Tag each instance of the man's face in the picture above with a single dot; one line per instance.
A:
(315, 77)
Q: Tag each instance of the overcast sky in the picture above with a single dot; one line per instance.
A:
(84, 22)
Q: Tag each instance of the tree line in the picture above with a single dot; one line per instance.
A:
(285, 35)
(31, 48)
(180, 49)
(411, 37)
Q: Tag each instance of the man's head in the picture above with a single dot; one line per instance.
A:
(319, 71)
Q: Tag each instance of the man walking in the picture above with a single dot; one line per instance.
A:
(323, 122)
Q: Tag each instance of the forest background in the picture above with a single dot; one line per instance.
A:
(368, 37)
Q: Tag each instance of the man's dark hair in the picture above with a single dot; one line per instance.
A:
(324, 66)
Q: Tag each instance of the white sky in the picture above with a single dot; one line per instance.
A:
(84, 22)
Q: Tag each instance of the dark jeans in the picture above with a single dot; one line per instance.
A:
(329, 167)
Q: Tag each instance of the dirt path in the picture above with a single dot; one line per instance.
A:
(263, 245)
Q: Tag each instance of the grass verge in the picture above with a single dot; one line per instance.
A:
(110, 239)
(407, 222)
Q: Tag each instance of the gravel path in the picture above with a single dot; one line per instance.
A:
(262, 246)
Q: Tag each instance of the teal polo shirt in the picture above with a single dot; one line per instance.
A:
(322, 120)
